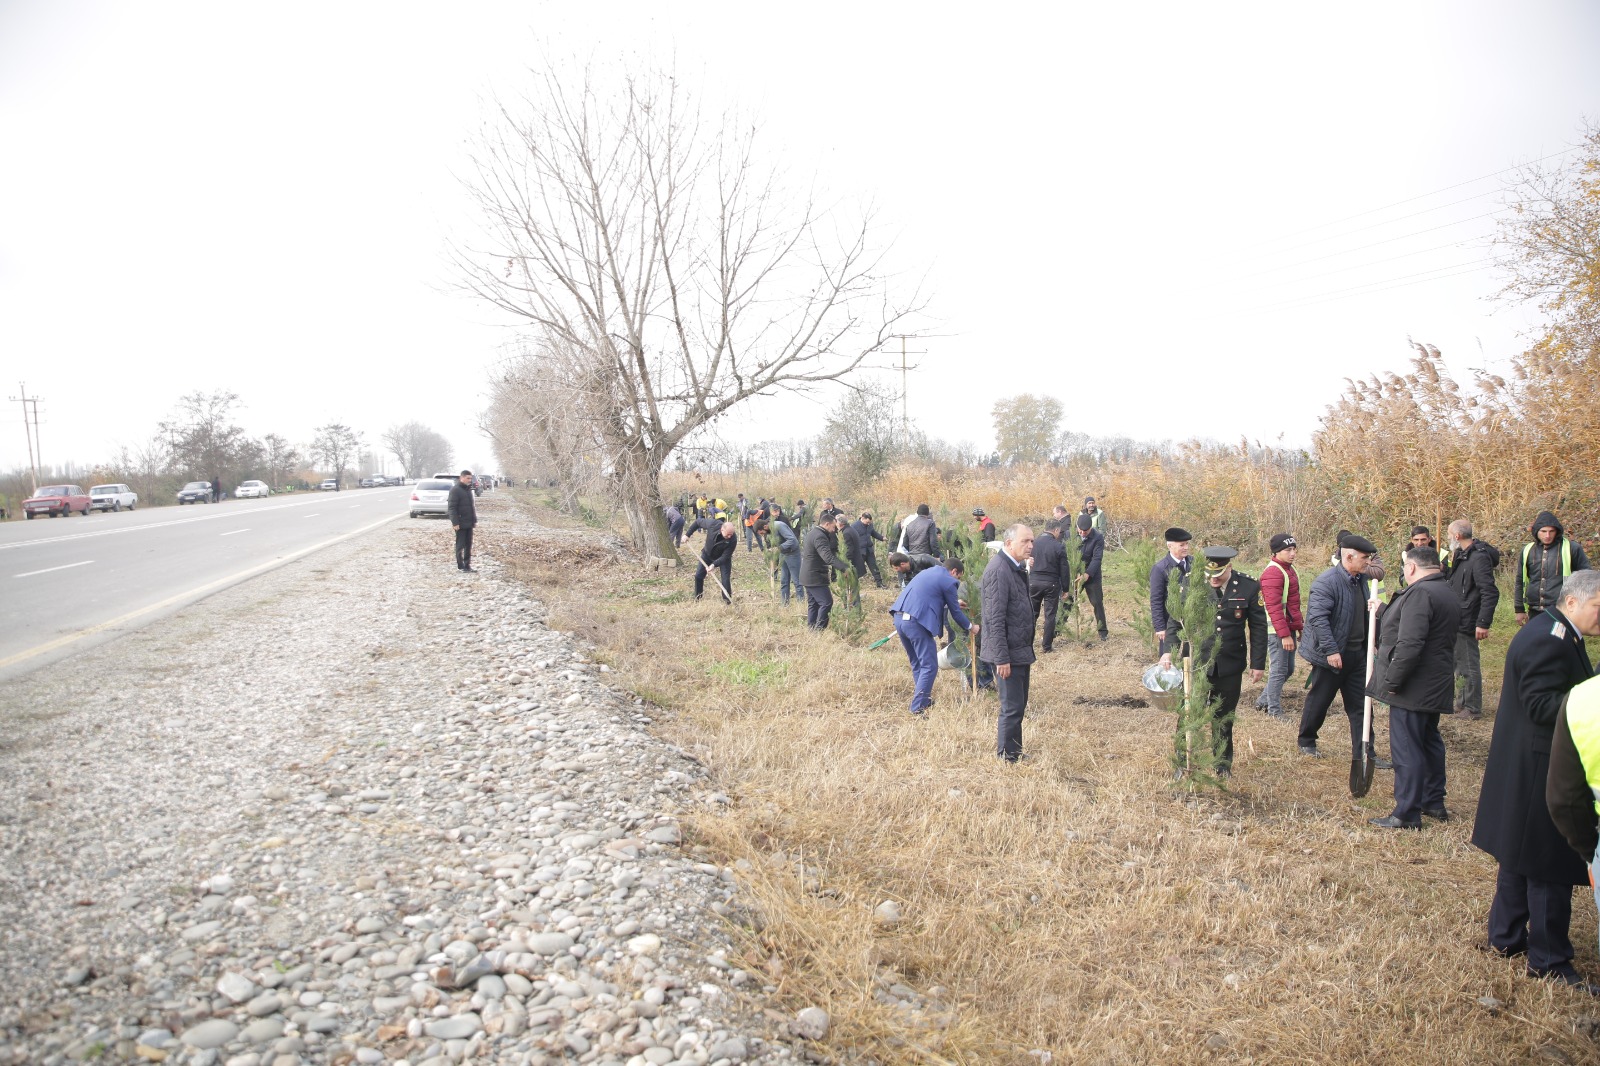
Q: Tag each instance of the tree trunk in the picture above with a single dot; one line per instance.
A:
(638, 477)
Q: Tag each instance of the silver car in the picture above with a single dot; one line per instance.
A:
(430, 496)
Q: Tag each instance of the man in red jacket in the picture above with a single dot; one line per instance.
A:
(1280, 591)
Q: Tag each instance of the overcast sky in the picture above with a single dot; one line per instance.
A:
(1181, 219)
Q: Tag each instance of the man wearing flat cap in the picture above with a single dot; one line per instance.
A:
(1239, 611)
(1335, 644)
(1177, 558)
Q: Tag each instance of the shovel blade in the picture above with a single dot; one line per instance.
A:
(1362, 767)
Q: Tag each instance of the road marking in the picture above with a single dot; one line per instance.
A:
(209, 587)
(53, 569)
(231, 532)
(313, 514)
(229, 513)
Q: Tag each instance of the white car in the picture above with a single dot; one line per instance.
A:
(431, 496)
(249, 490)
(330, 485)
(112, 498)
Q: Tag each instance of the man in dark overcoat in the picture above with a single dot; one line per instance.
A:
(1532, 906)
(1414, 673)
(1008, 626)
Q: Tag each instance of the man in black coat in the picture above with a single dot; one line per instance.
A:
(1532, 907)
(718, 555)
(463, 514)
(1007, 642)
(1239, 611)
(1091, 553)
(1047, 581)
(1472, 564)
(819, 558)
(858, 538)
(1335, 644)
(1413, 674)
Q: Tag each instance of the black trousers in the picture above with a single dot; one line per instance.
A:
(724, 572)
(819, 604)
(1350, 682)
(1046, 601)
(1225, 688)
(1097, 599)
(870, 562)
(1013, 702)
(1532, 916)
(463, 547)
(1417, 750)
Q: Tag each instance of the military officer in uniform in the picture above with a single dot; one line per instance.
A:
(1240, 636)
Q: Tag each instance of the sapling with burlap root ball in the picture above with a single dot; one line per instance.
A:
(1197, 736)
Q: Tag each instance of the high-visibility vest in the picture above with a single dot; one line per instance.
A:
(1566, 560)
(1583, 722)
(1274, 563)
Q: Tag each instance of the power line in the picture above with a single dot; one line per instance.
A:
(1372, 244)
(1373, 288)
(1420, 196)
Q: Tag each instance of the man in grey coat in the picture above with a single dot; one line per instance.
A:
(1008, 623)
(819, 557)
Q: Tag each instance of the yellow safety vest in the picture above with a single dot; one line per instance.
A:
(1583, 722)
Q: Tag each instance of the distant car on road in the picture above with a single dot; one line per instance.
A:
(249, 490)
(369, 482)
(195, 492)
(56, 500)
(112, 497)
(329, 485)
(431, 496)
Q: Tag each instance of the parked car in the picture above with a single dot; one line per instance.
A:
(431, 496)
(369, 483)
(329, 485)
(248, 490)
(112, 497)
(56, 500)
(195, 492)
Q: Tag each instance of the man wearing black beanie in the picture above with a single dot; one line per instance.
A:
(1091, 552)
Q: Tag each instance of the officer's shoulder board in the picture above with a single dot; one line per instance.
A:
(1558, 631)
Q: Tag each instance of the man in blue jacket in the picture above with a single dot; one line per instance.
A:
(1177, 558)
(1335, 644)
(919, 618)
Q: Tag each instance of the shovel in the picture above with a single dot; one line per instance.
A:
(1361, 761)
(880, 642)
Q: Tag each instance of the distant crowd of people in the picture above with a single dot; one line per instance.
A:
(1414, 649)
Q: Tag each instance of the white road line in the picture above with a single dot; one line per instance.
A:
(313, 514)
(231, 532)
(227, 513)
(196, 593)
(53, 569)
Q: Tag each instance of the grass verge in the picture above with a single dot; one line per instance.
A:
(1075, 905)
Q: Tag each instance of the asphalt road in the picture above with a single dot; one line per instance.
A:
(70, 583)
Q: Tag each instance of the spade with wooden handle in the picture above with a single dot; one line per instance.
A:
(1362, 764)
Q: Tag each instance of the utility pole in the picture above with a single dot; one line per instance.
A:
(905, 387)
(31, 429)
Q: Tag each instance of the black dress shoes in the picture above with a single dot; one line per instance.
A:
(1391, 822)
(1438, 814)
(1311, 750)
(1565, 974)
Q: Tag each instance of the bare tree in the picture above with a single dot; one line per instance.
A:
(201, 440)
(420, 450)
(656, 244)
(333, 447)
(541, 419)
(280, 458)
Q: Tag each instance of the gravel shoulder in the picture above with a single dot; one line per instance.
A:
(360, 809)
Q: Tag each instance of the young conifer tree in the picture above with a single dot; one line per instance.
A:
(1197, 737)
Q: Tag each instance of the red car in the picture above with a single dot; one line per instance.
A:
(56, 500)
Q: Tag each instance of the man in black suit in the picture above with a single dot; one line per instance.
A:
(1532, 907)
(1047, 581)
(718, 555)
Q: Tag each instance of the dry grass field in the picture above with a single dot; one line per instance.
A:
(1076, 908)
